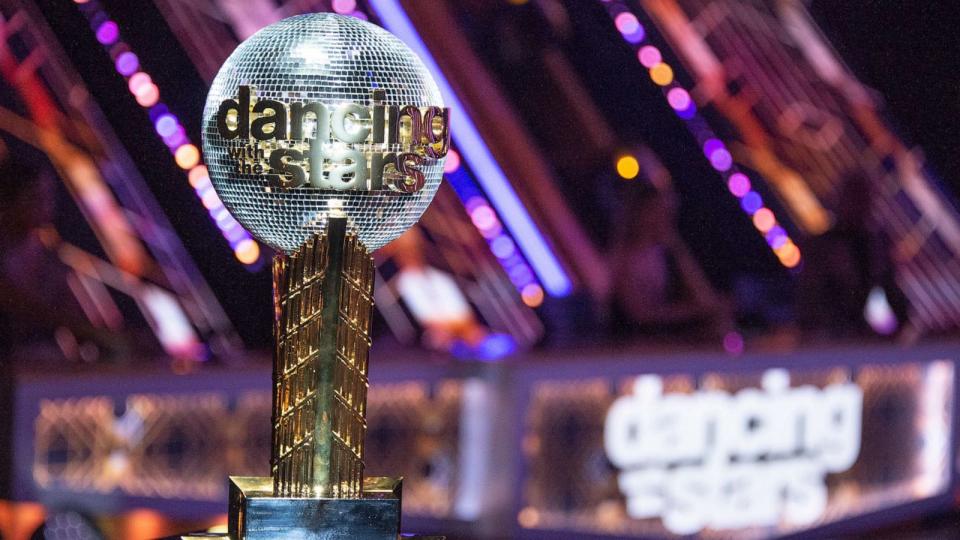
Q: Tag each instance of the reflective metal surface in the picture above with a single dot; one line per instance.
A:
(334, 62)
(323, 296)
(255, 514)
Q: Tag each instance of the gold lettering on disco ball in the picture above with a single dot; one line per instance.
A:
(321, 115)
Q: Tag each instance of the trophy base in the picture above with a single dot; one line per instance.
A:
(255, 514)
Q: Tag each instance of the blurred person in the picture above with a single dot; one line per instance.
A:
(35, 301)
(843, 266)
(658, 288)
(432, 296)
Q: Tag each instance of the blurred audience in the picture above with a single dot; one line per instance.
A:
(36, 304)
(843, 266)
(658, 288)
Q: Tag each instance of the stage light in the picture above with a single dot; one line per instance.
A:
(187, 156)
(733, 343)
(198, 176)
(678, 98)
(494, 347)
(343, 7)
(532, 295)
(751, 202)
(502, 246)
(146, 89)
(649, 56)
(148, 95)
(453, 161)
(127, 64)
(627, 23)
(520, 275)
(721, 160)
(493, 232)
(138, 80)
(637, 36)
(177, 139)
(712, 145)
(484, 217)
(476, 152)
(689, 112)
(627, 167)
(108, 32)
(789, 255)
(681, 102)
(166, 125)
(776, 237)
(661, 74)
(247, 251)
(234, 233)
(223, 217)
(738, 184)
(210, 200)
(764, 220)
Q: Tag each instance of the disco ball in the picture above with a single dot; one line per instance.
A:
(284, 125)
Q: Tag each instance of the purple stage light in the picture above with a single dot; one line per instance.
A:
(689, 112)
(166, 125)
(484, 217)
(502, 246)
(235, 234)
(453, 161)
(721, 160)
(712, 145)
(177, 139)
(108, 32)
(343, 7)
(520, 275)
(738, 184)
(495, 347)
(751, 202)
(776, 237)
(637, 35)
(627, 23)
(649, 56)
(221, 216)
(733, 343)
(679, 99)
(127, 64)
(487, 171)
(157, 111)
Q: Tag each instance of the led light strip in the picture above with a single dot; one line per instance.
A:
(716, 152)
(483, 216)
(487, 172)
(486, 221)
(169, 128)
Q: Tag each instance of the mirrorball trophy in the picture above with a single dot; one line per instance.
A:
(325, 137)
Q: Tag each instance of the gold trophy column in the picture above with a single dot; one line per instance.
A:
(323, 297)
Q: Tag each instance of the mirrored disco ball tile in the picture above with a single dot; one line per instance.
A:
(333, 60)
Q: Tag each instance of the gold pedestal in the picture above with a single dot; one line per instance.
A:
(323, 299)
(256, 514)
(323, 295)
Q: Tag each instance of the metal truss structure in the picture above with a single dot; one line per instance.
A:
(145, 258)
(802, 120)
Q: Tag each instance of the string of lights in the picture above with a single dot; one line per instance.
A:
(482, 213)
(168, 126)
(716, 152)
(497, 193)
